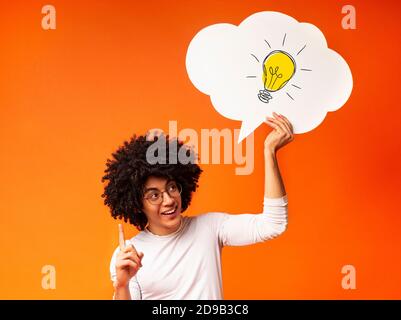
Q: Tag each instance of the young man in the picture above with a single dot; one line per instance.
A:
(175, 256)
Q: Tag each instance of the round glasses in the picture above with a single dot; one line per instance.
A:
(155, 196)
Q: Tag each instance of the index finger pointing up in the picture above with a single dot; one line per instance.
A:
(121, 238)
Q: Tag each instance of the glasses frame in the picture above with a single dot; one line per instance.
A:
(162, 194)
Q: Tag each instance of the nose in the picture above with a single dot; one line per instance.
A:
(167, 199)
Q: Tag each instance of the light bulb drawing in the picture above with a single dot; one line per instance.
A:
(278, 68)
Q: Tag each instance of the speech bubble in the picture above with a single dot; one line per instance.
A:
(270, 62)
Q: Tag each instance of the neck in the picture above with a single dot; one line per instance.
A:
(164, 231)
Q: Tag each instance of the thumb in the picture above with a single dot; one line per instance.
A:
(140, 255)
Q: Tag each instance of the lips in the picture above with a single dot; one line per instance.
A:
(170, 212)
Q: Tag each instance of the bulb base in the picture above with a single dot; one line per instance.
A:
(264, 96)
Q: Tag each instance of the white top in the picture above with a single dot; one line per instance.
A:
(186, 264)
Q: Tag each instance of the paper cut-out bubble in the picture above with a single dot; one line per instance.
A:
(270, 62)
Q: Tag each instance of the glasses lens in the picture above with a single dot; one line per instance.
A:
(173, 189)
(153, 197)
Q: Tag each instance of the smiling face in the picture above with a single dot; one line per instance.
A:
(162, 209)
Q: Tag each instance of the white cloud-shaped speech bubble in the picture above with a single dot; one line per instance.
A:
(270, 62)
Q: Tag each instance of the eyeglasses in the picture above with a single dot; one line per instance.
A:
(155, 196)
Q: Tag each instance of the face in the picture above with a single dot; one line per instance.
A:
(163, 217)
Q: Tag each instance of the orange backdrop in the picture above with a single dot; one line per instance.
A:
(69, 97)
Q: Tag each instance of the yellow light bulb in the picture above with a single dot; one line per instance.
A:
(278, 68)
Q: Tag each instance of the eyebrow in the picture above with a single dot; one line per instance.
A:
(155, 189)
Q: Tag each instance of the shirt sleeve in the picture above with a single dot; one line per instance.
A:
(133, 285)
(245, 229)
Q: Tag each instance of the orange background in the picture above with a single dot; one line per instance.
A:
(69, 97)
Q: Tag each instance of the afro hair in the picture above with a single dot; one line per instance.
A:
(129, 169)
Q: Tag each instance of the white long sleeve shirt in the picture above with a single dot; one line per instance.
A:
(186, 264)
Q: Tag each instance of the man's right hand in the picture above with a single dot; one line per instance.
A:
(128, 261)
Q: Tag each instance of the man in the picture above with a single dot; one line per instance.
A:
(175, 256)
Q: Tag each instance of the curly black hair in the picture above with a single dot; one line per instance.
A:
(129, 169)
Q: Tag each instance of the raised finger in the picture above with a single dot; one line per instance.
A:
(121, 238)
